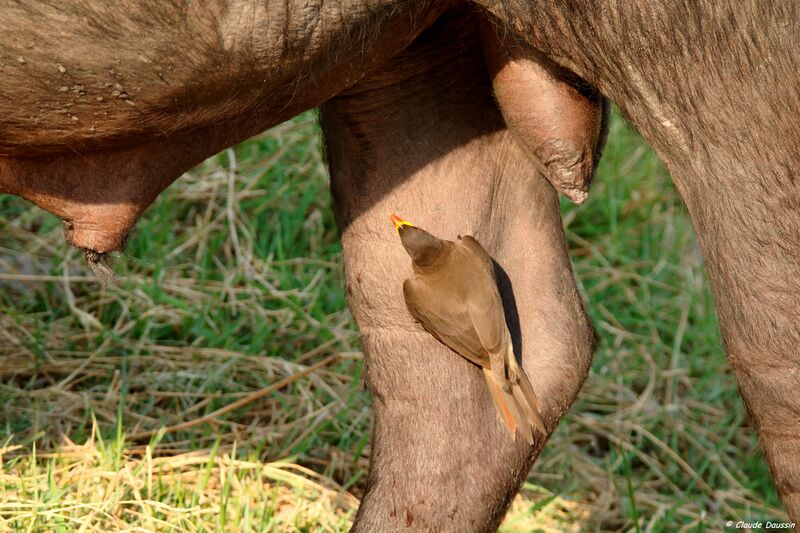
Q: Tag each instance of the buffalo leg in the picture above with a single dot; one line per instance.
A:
(423, 137)
(750, 237)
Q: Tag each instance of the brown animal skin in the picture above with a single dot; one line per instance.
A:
(100, 109)
(560, 121)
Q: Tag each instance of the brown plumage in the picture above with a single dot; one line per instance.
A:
(453, 294)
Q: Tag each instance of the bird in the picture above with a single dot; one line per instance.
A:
(453, 294)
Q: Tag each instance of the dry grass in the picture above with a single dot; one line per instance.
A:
(217, 383)
(100, 486)
(97, 487)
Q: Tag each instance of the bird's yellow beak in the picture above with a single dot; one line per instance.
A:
(399, 222)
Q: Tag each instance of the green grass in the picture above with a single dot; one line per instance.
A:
(232, 282)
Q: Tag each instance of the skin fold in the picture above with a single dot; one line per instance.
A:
(560, 121)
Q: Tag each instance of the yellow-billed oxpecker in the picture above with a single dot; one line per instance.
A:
(453, 294)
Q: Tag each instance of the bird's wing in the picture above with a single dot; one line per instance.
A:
(489, 324)
(485, 307)
(474, 248)
(450, 324)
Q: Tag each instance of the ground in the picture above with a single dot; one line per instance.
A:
(216, 384)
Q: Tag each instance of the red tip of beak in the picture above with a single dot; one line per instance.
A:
(399, 222)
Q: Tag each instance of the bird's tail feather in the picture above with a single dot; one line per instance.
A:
(507, 408)
(523, 393)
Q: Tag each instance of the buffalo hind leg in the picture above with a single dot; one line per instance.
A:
(750, 236)
(423, 137)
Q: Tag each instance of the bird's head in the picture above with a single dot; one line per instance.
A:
(423, 248)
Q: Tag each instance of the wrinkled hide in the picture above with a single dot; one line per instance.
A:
(559, 120)
(93, 131)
